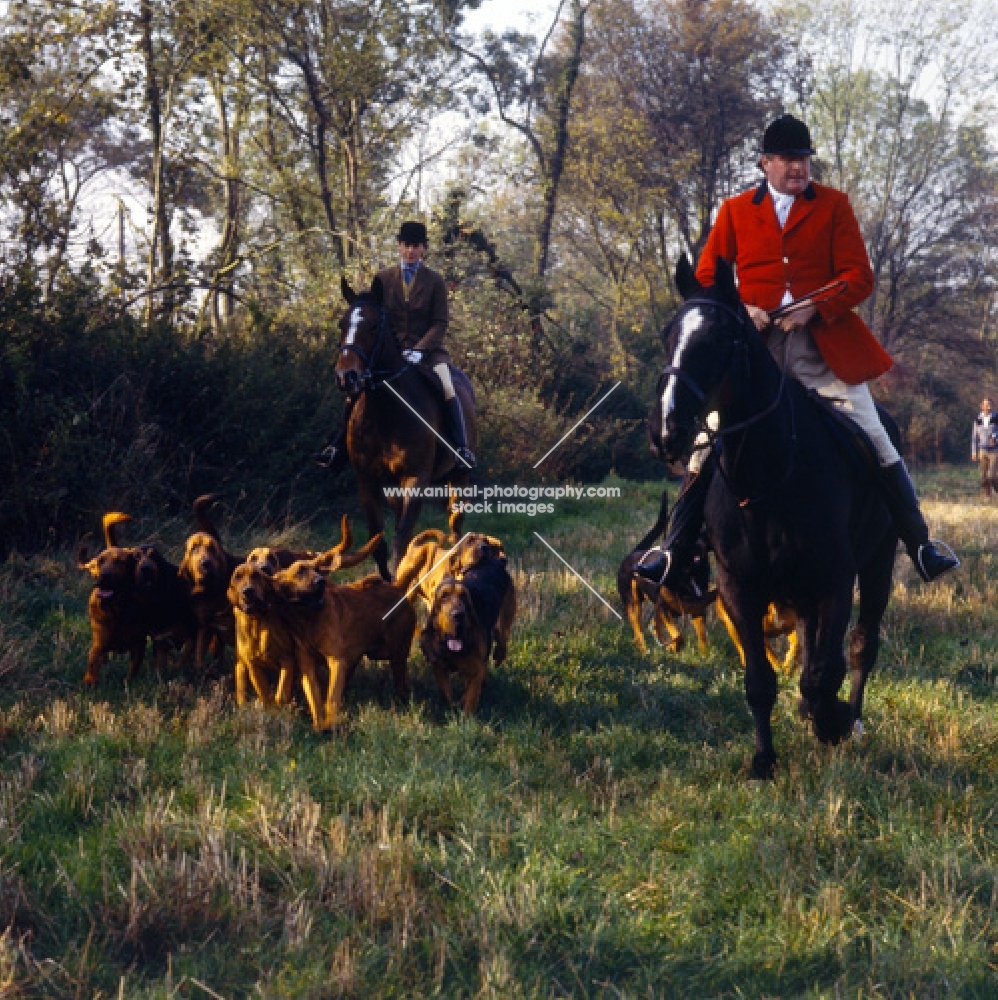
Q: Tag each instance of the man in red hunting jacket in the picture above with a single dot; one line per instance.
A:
(787, 238)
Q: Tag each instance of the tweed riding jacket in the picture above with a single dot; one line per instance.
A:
(419, 322)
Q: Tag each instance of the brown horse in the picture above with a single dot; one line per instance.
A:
(395, 433)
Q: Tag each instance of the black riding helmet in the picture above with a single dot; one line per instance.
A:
(787, 136)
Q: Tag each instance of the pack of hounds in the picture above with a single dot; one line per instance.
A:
(289, 622)
(293, 628)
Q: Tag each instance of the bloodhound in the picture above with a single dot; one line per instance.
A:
(343, 623)
(136, 595)
(470, 618)
(265, 646)
(270, 560)
(206, 570)
(669, 607)
(164, 605)
(425, 561)
(115, 625)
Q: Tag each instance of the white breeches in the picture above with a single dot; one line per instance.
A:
(443, 373)
(805, 363)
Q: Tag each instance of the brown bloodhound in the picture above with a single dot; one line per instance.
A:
(470, 618)
(266, 649)
(343, 623)
(115, 624)
(425, 561)
(206, 569)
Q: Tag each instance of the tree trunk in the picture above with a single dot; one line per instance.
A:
(220, 297)
(556, 161)
(160, 266)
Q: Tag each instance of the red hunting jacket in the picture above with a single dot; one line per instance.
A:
(821, 242)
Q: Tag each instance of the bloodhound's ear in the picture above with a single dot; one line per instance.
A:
(378, 290)
(724, 281)
(84, 562)
(347, 292)
(686, 279)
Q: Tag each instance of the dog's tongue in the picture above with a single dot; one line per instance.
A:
(455, 645)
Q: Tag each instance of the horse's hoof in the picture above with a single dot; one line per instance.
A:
(835, 724)
(763, 767)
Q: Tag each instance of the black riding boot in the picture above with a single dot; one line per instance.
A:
(458, 435)
(903, 504)
(334, 456)
(671, 564)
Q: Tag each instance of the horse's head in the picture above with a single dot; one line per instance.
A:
(365, 336)
(703, 333)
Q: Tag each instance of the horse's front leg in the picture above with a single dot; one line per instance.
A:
(407, 515)
(760, 691)
(824, 667)
(745, 617)
(372, 503)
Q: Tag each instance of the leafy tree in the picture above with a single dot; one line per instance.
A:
(707, 77)
(532, 85)
(56, 134)
(901, 122)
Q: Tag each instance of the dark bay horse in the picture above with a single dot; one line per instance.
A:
(790, 518)
(397, 421)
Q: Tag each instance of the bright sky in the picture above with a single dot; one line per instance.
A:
(524, 15)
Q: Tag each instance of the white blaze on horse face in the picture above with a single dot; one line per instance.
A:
(692, 322)
(355, 320)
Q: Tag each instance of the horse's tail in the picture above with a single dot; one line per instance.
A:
(658, 527)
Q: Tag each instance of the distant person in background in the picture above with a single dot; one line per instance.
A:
(984, 446)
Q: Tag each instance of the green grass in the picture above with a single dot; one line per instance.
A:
(592, 834)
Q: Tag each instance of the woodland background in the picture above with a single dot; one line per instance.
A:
(149, 355)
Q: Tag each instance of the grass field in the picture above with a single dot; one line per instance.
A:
(592, 834)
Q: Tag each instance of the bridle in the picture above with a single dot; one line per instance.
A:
(738, 361)
(688, 381)
(371, 377)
